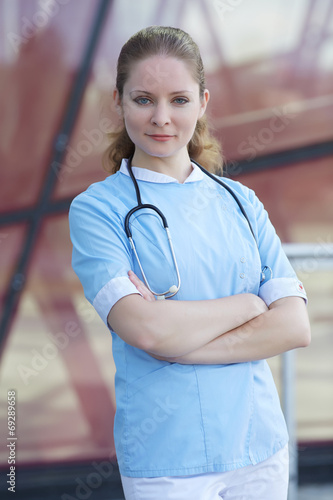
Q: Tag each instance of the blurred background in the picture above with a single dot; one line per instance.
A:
(269, 68)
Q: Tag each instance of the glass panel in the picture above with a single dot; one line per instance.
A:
(11, 240)
(314, 396)
(271, 89)
(39, 53)
(314, 370)
(298, 199)
(274, 88)
(270, 78)
(59, 361)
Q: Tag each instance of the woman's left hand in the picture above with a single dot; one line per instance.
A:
(141, 287)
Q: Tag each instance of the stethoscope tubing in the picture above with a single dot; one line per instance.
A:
(235, 197)
(140, 207)
(175, 288)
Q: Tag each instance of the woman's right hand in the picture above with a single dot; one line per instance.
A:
(141, 287)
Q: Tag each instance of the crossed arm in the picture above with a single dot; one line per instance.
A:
(232, 329)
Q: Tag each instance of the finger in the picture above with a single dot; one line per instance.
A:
(146, 294)
(141, 287)
(134, 279)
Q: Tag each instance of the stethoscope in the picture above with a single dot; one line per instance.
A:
(140, 206)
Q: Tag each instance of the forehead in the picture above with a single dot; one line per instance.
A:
(161, 73)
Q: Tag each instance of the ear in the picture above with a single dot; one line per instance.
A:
(204, 102)
(117, 102)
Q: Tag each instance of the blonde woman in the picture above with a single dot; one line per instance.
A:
(198, 415)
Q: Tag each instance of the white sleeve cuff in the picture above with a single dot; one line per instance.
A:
(113, 291)
(278, 288)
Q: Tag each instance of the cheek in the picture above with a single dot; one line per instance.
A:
(134, 118)
(191, 123)
(128, 115)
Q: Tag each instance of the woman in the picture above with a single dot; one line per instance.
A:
(198, 415)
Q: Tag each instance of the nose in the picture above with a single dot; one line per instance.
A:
(160, 116)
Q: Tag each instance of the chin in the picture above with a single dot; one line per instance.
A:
(159, 154)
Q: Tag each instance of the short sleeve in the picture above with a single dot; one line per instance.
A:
(101, 255)
(280, 278)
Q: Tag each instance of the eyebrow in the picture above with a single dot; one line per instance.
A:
(172, 93)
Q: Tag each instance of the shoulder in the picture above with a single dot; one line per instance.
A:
(252, 205)
(98, 209)
(244, 193)
(97, 190)
(100, 194)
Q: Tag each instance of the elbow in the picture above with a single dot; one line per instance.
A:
(304, 333)
(149, 340)
(154, 339)
(148, 333)
(298, 320)
(137, 335)
(132, 319)
(145, 340)
(155, 334)
(139, 323)
(305, 337)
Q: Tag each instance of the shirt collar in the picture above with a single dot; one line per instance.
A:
(143, 174)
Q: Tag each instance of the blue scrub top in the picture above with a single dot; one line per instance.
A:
(174, 419)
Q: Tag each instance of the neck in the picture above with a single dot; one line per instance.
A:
(177, 166)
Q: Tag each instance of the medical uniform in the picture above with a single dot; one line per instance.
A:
(173, 419)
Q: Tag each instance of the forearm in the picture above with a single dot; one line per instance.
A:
(282, 328)
(176, 328)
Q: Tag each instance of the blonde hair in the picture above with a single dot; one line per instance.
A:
(172, 42)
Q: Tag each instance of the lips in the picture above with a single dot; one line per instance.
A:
(160, 137)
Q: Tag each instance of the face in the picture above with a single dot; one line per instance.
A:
(160, 106)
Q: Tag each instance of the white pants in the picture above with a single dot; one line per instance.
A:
(267, 480)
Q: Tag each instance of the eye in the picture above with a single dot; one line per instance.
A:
(143, 101)
(180, 100)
